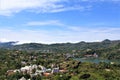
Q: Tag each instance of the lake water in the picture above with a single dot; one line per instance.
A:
(96, 60)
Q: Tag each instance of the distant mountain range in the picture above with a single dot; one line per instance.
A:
(7, 44)
(60, 46)
(105, 49)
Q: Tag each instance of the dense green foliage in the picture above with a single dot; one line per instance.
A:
(14, 57)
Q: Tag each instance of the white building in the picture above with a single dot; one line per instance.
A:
(22, 78)
(55, 70)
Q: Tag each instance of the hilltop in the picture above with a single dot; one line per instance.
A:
(105, 49)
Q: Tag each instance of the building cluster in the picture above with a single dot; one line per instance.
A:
(91, 55)
(34, 70)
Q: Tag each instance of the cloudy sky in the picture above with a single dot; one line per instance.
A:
(57, 21)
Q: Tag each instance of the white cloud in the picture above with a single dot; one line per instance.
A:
(24, 35)
(8, 7)
(100, 0)
(44, 23)
(4, 40)
(75, 28)
(46, 36)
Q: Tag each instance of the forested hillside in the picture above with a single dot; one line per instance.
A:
(35, 61)
(106, 49)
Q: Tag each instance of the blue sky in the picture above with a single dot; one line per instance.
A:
(59, 21)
